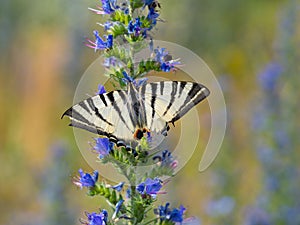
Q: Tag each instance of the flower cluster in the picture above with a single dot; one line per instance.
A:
(128, 31)
(125, 35)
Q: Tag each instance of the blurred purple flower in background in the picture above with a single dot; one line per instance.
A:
(269, 77)
(220, 207)
(256, 216)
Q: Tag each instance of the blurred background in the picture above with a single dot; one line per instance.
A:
(251, 46)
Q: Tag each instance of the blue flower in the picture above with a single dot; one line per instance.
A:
(165, 59)
(128, 193)
(152, 4)
(105, 215)
(96, 218)
(163, 211)
(112, 62)
(152, 16)
(118, 208)
(103, 147)
(269, 77)
(118, 187)
(166, 214)
(108, 24)
(99, 43)
(135, 27)
(101, 89)
(150, 187)
(127, 78)
(166, 159)
(108, 5)
(176, 215)
(85, 179)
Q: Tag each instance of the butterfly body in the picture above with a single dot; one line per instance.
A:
(125, 116)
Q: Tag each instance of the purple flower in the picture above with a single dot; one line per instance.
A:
(108, 5)
(176, 215)
(127, 78)
(103, 147)
(101, 89)
(257, 216)
(96, 218)
(118, 208)
(165, 59)
(166, 159)
(220, 207)
(150, 187)
(166, 214)
(99, 43)
(85, 179)
(135, 27)
(163, 211)
(118, 187)
(112, 62)
(152, 15)
(107, 25)
(269, 77)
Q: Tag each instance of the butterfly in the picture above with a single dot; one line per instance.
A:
(126, 116)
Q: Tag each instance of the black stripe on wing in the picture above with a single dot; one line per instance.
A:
(153, 99)
(96, 110)
(73, 114)
(111, 98)
(197, 93)
(173, 94)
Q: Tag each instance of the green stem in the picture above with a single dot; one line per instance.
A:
(131, 53)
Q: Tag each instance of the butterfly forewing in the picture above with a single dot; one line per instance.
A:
(172, 100)
(104, 114)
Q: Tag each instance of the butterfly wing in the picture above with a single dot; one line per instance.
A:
(104, 114)
(167, 101)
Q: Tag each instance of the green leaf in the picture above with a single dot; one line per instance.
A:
(117, 30)
(121, 17)
(135, 4)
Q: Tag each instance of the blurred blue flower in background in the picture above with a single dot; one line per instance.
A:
(269, 77)
(220, 207)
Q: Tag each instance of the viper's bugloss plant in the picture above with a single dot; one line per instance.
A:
(278, 134)
(128, 29)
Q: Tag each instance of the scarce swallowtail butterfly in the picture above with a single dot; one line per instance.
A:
(125, 116)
